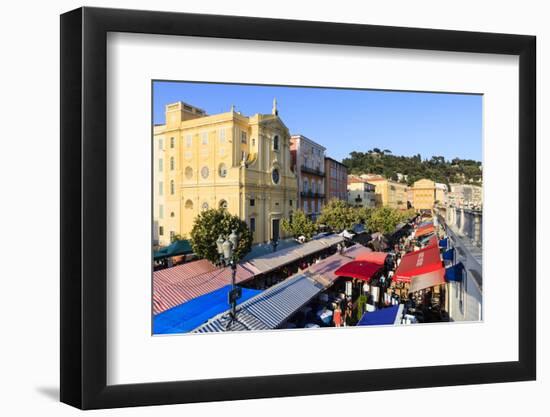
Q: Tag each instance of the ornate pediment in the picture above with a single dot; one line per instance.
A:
(273, 123)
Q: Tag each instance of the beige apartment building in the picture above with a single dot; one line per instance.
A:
(361, 193)
(226, 160)
(388, 193)
(424, 194)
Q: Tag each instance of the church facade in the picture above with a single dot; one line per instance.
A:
(227, 160)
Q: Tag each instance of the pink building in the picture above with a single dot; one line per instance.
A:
(336, 184)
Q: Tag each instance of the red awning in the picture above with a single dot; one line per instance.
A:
(417, 263)
(358, 269)
(433, 241)
(431, 279)
(378, 258)
(426, 230)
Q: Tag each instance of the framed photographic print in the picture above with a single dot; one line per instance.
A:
(257, 208)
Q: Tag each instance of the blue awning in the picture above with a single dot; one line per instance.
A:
(443, 243)
(193, 313)
(388, 315)
(455, 273)
(449, 254)
(358, 228)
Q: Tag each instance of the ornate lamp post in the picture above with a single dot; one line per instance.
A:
(274, 243)
(226, 250)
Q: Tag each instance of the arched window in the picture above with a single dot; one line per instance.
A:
(172, 187)
(276, 143)
(204, 206)
(189, 204)
(172, 163)
(223, 204)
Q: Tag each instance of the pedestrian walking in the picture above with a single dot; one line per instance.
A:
(337, 316)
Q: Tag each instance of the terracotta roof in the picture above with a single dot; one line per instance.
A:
(357, 180)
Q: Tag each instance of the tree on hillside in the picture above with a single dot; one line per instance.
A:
(338, 215)
(300, 225)
(209, 225)
(436, 168)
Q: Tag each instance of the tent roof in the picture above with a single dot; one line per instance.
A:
(193, 313)
(358, 269)
(179, 247)
(269, 309)
(275, 260)
(262, 249)
(417, 263)
(325, 271)
(389, 315)
(378, 258)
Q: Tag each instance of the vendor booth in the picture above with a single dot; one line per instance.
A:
(378, 258)
(389, 315)
(359, 269)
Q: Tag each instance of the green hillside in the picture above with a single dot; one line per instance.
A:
(437, 168)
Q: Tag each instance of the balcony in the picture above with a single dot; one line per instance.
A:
(313, 171)
(310, 194)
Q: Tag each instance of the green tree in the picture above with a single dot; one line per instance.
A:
(363, 214)
(176, 237)
(300, 225)
(384, 220)
(338, 215)
(209, 225)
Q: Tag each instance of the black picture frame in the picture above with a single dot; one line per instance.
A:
(84, 207)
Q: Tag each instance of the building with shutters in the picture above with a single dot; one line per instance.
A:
(308, 163)
(336, 183)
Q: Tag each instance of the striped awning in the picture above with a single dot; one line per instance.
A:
(269, 309)
(181, 283)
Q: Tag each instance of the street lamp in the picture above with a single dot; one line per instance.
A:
(274, 243)
(227, 251)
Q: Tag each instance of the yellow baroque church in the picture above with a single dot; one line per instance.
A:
(224, 160)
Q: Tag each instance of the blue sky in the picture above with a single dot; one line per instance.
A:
(343, 121)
